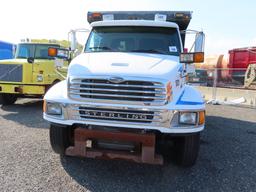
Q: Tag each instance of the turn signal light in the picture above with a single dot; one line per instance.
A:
(192, 57)
(44, 107)
(201, 117)
(198, 57)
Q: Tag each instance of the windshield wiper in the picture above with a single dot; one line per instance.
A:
(102, 48)
(149, 51)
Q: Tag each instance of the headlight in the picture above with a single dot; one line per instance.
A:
(189, 118)
(53, 109)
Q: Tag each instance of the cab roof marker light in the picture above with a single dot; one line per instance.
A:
(94, 16)
(179, 15)
(160, 17)
(108, 17)
(182, 19)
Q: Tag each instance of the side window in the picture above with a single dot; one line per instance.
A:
(42, 52)
(95, 41)
(24, 52)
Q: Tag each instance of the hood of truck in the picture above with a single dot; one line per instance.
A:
(125, 64)
(22, 61)
(13, 61)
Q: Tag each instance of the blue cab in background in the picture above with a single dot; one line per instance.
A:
(7, 50)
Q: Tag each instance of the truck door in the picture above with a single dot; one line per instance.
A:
(44, 69)
(23, 52)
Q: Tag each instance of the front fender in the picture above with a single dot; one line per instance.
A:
(57, 92)
(190, 98)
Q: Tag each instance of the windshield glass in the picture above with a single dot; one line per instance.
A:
(37, 51)
(158, 40)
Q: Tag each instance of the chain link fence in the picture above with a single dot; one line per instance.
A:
(234, 86)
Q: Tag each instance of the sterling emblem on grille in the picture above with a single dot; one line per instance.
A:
(116, 80)
(127, 116)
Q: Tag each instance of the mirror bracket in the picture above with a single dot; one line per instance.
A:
(31, 60)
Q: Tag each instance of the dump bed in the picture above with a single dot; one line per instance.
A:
(239, 60)
(6, 50)
(181, 18)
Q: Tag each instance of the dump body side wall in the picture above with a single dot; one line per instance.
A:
(6, 50)
(239, 60)
(242, 58)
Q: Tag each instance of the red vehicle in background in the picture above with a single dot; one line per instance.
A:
(236, 69)
(239, 61)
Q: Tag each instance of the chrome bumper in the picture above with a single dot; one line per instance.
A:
(165, 121)
(116, 115)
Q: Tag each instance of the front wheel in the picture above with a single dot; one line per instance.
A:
(60, 138)
(186, 149)
(8, 99)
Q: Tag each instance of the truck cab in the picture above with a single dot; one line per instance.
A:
(31, 73)
(126, 95)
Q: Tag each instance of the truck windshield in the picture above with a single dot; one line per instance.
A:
(37, 51)
(157, 40)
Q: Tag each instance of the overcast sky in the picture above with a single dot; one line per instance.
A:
(228, 24)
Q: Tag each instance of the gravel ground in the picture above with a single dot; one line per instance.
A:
(226, 162)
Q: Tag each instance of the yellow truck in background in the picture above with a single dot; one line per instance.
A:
(32, 72)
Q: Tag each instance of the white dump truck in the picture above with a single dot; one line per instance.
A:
(126, 96)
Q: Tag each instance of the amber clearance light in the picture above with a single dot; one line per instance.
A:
(169, 91)
(192, 57)
(201, 117)
(44, 106)
(199, 57)
(52, 52)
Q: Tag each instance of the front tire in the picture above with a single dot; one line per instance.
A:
(186, 149)
(8, 99)
(60, 138)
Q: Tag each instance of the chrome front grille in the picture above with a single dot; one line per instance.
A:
(127, 90)
(11, 72)
(117, 115)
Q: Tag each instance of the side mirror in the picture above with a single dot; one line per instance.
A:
(73, 40)
(199, 42)
(189, 58)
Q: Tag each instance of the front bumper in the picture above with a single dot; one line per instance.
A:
(22, 89)
(165, 121)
